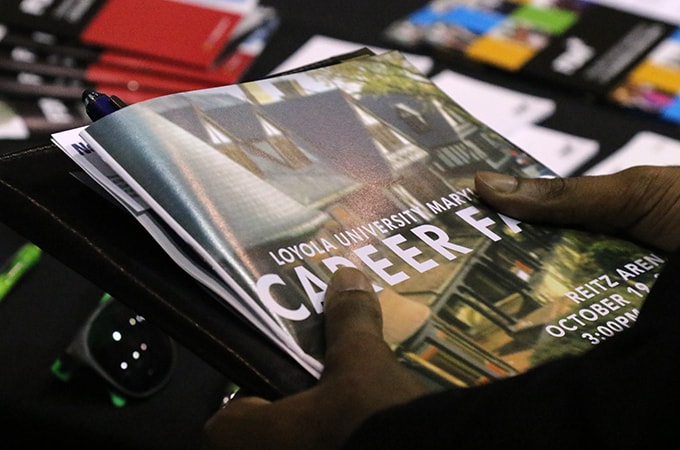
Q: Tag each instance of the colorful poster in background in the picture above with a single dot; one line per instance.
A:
(622, 57)
(505, 33)
(653, 85)
(520, 36)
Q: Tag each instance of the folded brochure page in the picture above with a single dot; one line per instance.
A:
(261, 190)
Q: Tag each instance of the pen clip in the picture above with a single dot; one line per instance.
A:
(98, 105)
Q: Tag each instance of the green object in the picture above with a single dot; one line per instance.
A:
(17, 265)
(105, 298)
(60, 371)
(117, 400)
(554, 21)
(63, 369)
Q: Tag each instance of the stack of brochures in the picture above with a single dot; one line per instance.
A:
(51, 51)
(262, 190)
(634, 64)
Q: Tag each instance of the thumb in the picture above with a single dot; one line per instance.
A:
(361, 371)
(353, 322)
(640, 202)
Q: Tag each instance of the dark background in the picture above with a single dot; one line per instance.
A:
(42, 314)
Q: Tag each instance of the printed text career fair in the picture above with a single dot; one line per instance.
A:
(430, 235)
(348, 238)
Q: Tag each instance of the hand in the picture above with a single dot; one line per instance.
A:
(361, 376)
(641, 203)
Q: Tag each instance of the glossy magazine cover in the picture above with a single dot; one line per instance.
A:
(274, 184)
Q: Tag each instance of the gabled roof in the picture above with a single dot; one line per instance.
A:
(217, 202)
(390, 108)
(235, 116)
(328, 126)
(241, 120)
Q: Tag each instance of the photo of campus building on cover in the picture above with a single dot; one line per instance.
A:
(367, 163)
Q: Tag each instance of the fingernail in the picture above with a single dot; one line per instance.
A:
(349, 279)
(498, 181)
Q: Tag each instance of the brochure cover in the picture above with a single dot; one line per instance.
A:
(31, 85)
(57, 60)
(147, 27)
(653, 84)
(261, 190)
(57, 68)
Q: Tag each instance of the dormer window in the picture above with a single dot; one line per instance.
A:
(414, 119)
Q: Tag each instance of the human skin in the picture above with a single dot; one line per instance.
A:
(361, 374)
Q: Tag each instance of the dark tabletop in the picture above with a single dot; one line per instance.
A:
(41, 315)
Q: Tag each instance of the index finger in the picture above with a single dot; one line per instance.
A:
(641, 202)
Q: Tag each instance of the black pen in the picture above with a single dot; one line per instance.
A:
(98, 105)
